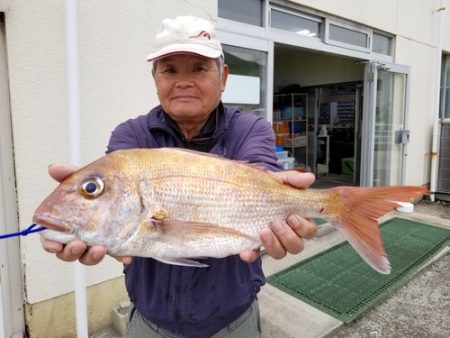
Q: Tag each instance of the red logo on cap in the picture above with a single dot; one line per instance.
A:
(202, 34)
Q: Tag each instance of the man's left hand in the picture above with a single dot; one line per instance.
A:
(286, 236)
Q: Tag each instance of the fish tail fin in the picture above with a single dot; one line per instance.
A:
(358, 220)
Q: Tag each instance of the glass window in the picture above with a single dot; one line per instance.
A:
(294, 23)
(246, 85)
(347, 36)
(445, 88)
(446, 112)
(246, 11)
(381, 44)
(447, 70)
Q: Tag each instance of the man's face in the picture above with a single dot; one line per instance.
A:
(189, 86)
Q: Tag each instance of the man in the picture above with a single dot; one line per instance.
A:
(179, 301)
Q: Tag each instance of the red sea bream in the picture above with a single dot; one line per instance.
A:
(175, 206)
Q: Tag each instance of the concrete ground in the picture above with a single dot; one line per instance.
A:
(420, 308)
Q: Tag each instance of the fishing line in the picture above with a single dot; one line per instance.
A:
(31, 229)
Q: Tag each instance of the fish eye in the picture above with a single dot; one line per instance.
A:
(92, 187)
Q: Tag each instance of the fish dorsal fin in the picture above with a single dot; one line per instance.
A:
(192, 151)
(186, 231)
(215, 156)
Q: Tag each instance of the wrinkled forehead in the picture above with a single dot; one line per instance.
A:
(184, 58)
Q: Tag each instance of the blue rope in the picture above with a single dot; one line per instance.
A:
(25, 232)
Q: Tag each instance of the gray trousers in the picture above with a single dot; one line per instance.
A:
(246, 326)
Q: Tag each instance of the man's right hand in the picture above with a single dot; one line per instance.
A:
(77, 249)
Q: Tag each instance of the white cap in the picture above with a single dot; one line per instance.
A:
(186, 34)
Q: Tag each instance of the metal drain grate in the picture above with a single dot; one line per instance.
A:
(340, 283)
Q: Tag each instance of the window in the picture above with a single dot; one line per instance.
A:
(295, 23)
(381, 44)
(246, 85)
(246, 11)
(445, 88)
(347, 36)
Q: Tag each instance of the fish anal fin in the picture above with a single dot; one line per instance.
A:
(358, 221)
(182, 262)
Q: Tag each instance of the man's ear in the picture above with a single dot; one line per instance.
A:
(153, 68)
(224, 77)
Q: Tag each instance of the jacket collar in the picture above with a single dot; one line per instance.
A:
(215, 126)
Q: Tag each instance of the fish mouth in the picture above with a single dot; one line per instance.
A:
(53, 223)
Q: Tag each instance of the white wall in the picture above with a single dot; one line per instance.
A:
(421, 106)
(115, 84)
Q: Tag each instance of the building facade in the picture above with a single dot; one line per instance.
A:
(355, 89)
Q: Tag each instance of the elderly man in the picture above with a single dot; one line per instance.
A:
(182, 301)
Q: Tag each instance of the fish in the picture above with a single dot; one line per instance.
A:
(178, 206)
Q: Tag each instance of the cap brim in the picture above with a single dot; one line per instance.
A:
(185, 48)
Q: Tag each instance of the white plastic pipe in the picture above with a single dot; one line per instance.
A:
(73, 89)
(435, 145)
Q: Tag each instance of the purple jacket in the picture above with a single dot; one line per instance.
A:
(197, 301)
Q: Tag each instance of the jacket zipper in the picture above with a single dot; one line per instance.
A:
(177, 295)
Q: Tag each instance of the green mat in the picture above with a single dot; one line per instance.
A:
(340, 283)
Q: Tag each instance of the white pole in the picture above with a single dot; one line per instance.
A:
(2, 318)
(435, 144)
(75, 152)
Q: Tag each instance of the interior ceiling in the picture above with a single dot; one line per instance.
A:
(282, 50)
(285, 50)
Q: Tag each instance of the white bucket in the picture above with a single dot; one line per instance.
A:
(406, 208)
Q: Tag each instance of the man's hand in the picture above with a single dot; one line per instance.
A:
(284, 237)
(77, 249)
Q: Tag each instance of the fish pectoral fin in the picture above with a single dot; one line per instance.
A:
(148, 227)
(152, 225)
(182, 262)
(160, 215)
(193, 230)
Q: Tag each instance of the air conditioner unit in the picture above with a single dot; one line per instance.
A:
(443, 177)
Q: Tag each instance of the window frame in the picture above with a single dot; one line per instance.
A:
(391, 40)
(262, 15)
(319, 20)
(346, 45)
(444, 110)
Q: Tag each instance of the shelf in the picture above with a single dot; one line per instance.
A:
(290, 124)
